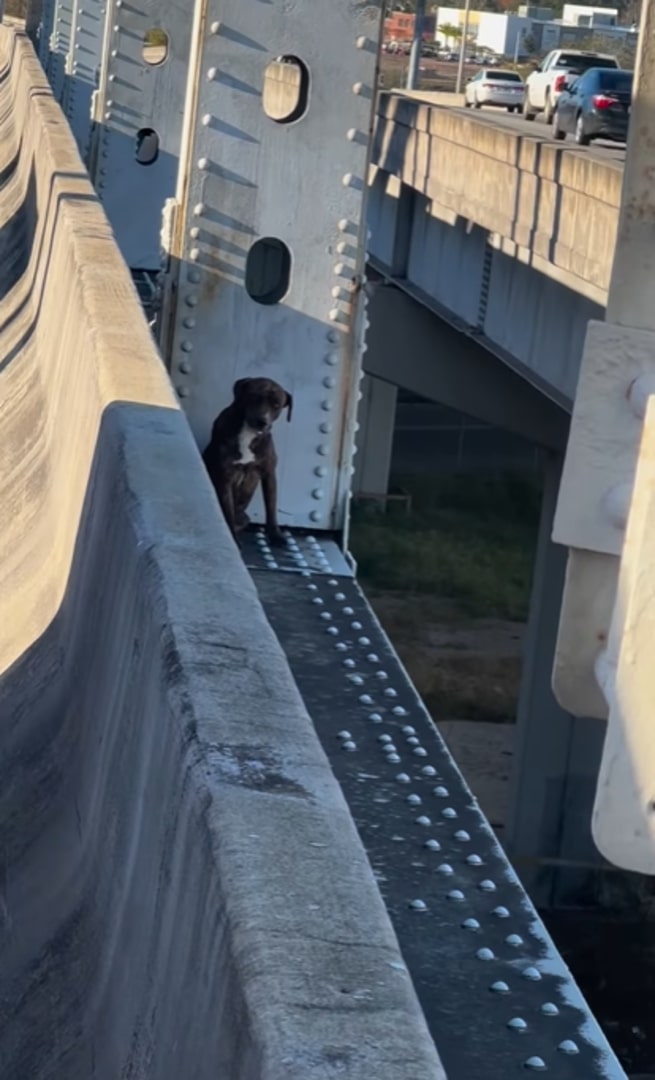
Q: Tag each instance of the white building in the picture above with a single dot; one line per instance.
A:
(584, 15)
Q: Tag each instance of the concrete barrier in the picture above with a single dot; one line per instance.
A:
(552, 207)
(182, 890)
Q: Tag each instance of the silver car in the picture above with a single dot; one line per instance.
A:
(495, 86)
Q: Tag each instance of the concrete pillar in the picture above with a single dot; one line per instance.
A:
(548, 835)
(376, 419)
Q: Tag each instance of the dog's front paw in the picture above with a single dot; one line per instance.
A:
(276, 537)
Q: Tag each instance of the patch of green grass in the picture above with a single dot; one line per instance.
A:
(469, 538)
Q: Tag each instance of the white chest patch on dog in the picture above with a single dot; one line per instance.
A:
(246, 436)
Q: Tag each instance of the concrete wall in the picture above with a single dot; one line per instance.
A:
(182, 891)
(510, 236)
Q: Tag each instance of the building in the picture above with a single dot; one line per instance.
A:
(399, 26)
(523, 35)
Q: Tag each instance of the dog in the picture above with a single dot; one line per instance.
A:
(241, 453)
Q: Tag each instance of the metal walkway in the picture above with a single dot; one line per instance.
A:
(497, 996)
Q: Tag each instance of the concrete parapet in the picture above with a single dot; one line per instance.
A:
(558, 206)
(183, 892)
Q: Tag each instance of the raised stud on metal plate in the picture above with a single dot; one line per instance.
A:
(531, 974)
(515, 940)
(537, 1064)
(428, 770)
(403, 778)
(344, 735)
(456, 895)
(432, 845)
(414, 800)
(568, 1047)
(499, 987)
(501, 912)
(399, 711)
(420, 751)
(462, 836)
(549, 1009)
(485, 954)
(518, 1024)
(487, 885)
(423, 820)
(448, 811)
(349, 745)
(445, 869)
(418, 905)
(441, 792)
(474, 860)
(470, 924)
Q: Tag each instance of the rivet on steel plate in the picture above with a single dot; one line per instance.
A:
(474, 860)
(518, 1024)
(537, 1064)
(549, 1009)
(456, 894)
(340, 596)
(314, 516)
(348, 611)
(403, 778)
(515, 940)
(364, 641)
(414, 800)
(418, 905)
(375, 718)
(388, 748)
(487, 885)
(470, 924)
(448, 812)
(412, 740)
(420, 751)
(441, 792)
(531, 974)
(423, 820)
(398, 710)
(568, 1047)
(501, 912)
(350, 663)
(445, 869)
(326, 615)
(384, 738)
(381, 675)
(356, 679)
(428, 770)
(349, 745)
(356, 625)
(331, 629)
(341, 646)
(390, 692)
(373, 657)
(485, 954)
(345, 735)
(408, 730)
(318, 600)
(432, 845)
(499, 987)
(394, 759)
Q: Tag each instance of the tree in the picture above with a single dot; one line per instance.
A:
(450, 32)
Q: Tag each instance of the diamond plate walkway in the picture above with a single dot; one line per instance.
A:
(498, 998)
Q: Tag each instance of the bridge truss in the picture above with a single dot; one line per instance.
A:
(228, 141)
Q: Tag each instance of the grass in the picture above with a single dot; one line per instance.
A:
(469, 538)
(451, 585)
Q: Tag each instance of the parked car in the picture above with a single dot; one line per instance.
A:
(595, 106)
(495, 87)
(544, 86)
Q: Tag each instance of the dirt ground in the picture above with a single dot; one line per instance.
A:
(468, 672)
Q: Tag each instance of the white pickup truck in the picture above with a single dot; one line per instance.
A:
(545, 84)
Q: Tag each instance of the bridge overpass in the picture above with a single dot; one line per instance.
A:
(235, 843)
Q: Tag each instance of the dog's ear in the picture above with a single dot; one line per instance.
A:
(239, 387)
(289, 405)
